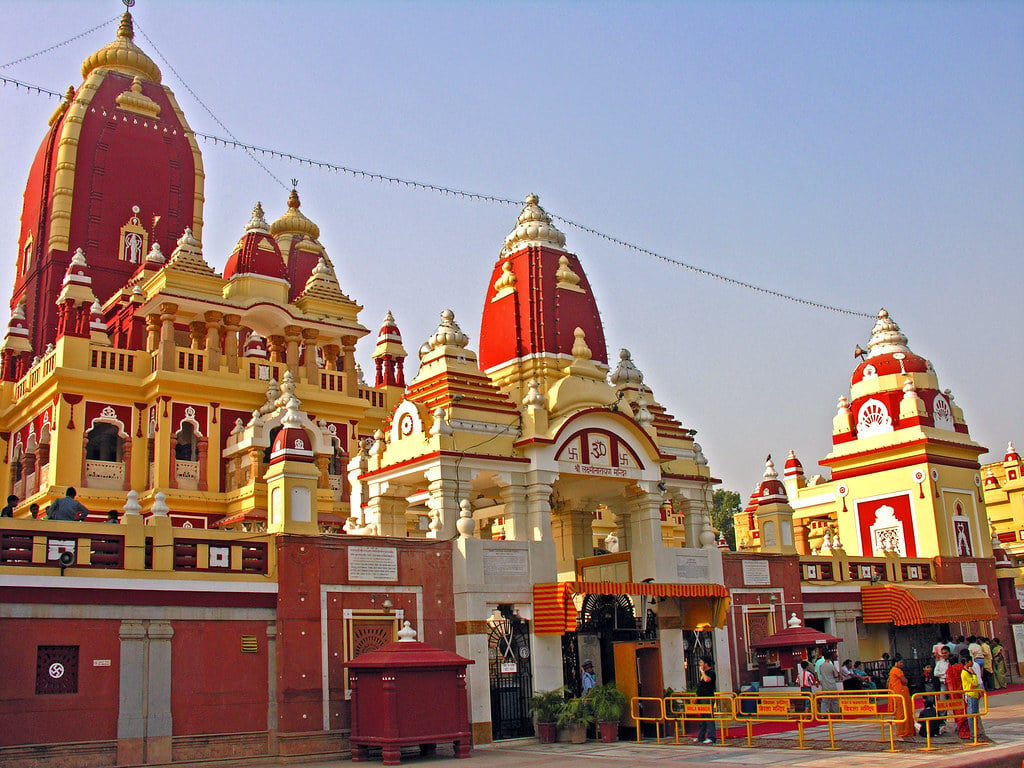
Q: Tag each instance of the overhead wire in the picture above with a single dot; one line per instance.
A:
(251, 151)
(60, 44)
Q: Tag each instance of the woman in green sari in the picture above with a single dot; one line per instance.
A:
(998, 664)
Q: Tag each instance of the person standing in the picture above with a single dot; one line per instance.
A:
(987, 667)
(68, 508)
(34, 513)
(589, 678)
(998, 664)
(971, 682)
(898, 685)
(706, 690)
(8, 511)
(828, 679)
(941, 668)
(954, 684)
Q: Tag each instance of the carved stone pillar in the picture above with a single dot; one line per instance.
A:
(309, 336)
(168, 358)
(126, 460)
(28, 463)
(213, 320)
(322, 464)
(255, 460)
(292, 338)
(152, 332)
(538, 508)
(202, 450)
(197, 335)
(644, 532)
(276, 346)
(514, 498)
(231, 328)
(348, 364)
(331, 352)
(85, 476)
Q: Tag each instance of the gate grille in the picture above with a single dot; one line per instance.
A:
(511, 676)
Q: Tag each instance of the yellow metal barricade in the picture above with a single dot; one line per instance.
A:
(647, 709)
(948, 705)
(882, 707)
(750, 708)
(681, 707)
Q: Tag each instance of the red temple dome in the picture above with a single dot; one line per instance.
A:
(257, 253)
(117, 170)
(537, 297)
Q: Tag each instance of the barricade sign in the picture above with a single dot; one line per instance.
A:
(882, 707)
(760, 707)
(681, 707)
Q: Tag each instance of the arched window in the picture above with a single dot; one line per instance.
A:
(186, 446)
(103, 443)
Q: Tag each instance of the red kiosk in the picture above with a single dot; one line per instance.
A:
(408, 693)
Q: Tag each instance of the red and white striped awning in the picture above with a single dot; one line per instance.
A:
(908, 604)
(554, 612)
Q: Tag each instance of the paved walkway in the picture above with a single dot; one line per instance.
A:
(860, 747)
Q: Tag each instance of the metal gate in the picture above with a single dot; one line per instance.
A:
(508, 654)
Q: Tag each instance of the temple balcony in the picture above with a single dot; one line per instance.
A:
(137, 547)
(107, 475)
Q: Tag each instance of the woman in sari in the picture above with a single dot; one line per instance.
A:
(898, 686)
(998, 664)
(956, 698)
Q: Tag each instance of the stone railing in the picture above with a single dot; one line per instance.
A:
(98, 548)
(104, 474)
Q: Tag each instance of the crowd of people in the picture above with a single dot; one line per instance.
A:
(65, 508)
(957, 672)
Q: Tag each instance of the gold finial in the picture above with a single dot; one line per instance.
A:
(293, 198)
(69, 95)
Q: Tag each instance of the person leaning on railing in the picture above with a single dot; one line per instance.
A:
(68, 508)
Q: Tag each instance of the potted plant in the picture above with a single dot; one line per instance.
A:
(545, 706)
(575, 716)
(609, 704)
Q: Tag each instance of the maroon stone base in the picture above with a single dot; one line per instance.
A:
(391, 750)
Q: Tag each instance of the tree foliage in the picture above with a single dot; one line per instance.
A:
(726, 504)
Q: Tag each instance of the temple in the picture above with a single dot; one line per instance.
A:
(525, 501)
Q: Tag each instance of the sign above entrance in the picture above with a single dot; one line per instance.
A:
(600, 453)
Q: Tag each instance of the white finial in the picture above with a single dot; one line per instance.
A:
(131, 503)
(534, 398)
(160, 508)
(465, 524)
(886, 337)
(440, 425)
(533, 227)
(909, 390)
(793, 622)
(448, 333)
(626, 371)
(843, 406)
(360, 376)
(406, 634)
(155, 255)
(769, 469)
(643, 416)
(257, 223)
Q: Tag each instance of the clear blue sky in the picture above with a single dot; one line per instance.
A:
(863, 154)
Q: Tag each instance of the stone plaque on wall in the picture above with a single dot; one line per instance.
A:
(505, 564)
(691, 568)
(969, 573)
(756, 574)
(372, 564)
